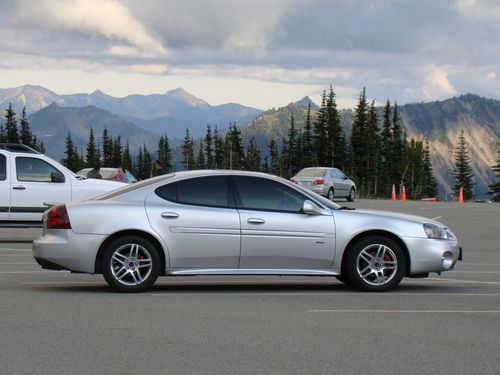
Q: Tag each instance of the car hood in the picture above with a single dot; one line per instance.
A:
(398, 215)
(105, 185)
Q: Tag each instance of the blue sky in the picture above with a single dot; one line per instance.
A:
(262, 53)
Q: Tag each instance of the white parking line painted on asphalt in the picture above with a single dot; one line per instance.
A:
(437, 217)
(16, 255)
(454, 271)
(393, 294)
(33, 263)
(410, 311)
(61, 282)
(465, 281)
(22, 250)
(46, 271)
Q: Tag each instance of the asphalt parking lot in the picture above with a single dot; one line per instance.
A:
(58, 323)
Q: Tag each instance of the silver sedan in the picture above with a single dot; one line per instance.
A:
(329, 182)
(237, 223)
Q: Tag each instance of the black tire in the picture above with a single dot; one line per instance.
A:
(342, 279)
(375, 264)
(331, 194)
(351, 196)
(131, 264)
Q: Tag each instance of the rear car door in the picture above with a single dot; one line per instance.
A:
(36, 181)
(4, 188)
(275, 234)
(197, 220)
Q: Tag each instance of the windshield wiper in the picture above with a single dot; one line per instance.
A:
(346, 208)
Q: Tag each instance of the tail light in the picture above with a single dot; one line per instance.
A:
(319, 182)
(57, 218)
(294, 181)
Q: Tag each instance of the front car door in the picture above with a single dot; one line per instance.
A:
(36, 181)
(275, 234)
(4, 188)
(198, 222)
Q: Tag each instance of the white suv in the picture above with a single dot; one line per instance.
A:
(29, 179)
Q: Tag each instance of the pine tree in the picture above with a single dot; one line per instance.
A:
(234, 152)
(117, 152)
(11, 132)
(72, 159)
(127, 159)
(139, 165)
(3, 135)
(386, 151)
(107, 149)
(274, 155)
(399, 165)
(336, 139)
(414, 155)
(252, 159)
(307, 146)
(200, 158)
(218, 150)
(188, 151)
(320, 134)
(209, 149)
(429, 184)
(372, 157)
(358, 143)
(26, 136)
(147, 163)
(293, 156)
(462, 171)
(91, 156)
(495, 187)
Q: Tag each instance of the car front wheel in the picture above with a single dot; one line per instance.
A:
(131, 264)
(376, 264)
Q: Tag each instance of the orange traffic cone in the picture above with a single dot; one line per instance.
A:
(403, 194)
(393, 195)
(461, 195)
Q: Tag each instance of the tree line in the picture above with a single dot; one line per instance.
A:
(376, 154)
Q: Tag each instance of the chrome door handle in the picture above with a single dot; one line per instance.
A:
(256, 220)
(18, 188)
(169, 215)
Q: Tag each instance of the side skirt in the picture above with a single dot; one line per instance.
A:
(234, 271)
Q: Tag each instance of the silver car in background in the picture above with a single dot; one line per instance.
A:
(328, 182)
(237, 223)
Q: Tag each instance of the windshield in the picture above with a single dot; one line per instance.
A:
(312, 172)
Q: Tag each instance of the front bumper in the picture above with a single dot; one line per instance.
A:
(65, 250)
(432, 255)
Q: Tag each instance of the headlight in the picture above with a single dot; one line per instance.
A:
(434, 231)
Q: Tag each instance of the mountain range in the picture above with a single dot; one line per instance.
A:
(170, 112)
(140, 118)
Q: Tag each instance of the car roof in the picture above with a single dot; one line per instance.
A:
(18, 148)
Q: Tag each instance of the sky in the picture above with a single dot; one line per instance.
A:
(260, 53)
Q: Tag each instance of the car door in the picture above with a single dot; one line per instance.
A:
(36, 181)
(275, 234)
(197, 220)
(4, 188)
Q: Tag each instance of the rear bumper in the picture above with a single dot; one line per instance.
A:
(432, 255)
(61, 249)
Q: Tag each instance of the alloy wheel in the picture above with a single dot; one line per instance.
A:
(377, 264)
(131, 264)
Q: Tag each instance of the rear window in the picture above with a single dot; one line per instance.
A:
(3, 167)
(313, 172)
(204, 191)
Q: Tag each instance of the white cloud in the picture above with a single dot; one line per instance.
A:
(149, 68)
(104, 18)
(436, 83)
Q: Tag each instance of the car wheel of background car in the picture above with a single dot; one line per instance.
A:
(352, 193)
(330, 194)
(376, 264)
(131, 264)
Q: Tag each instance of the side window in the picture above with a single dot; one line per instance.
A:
(36, 170)
(204, 191)
(266, 195)
(3, 167)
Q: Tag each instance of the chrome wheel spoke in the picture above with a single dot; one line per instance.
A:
(121, 273)
(372, 267)
(117, 258)
(365, 272)
(131, 264)
(366, 256)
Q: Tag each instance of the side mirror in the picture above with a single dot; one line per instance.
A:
(56, 177)
(310, 208)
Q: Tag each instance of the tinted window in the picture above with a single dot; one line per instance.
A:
(266, 195)
(3, 167)
(32, 169)
(205, 191)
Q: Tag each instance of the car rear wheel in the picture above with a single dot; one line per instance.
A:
(131, 264)
(330, 194)
(376, 264)
(352, 193)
